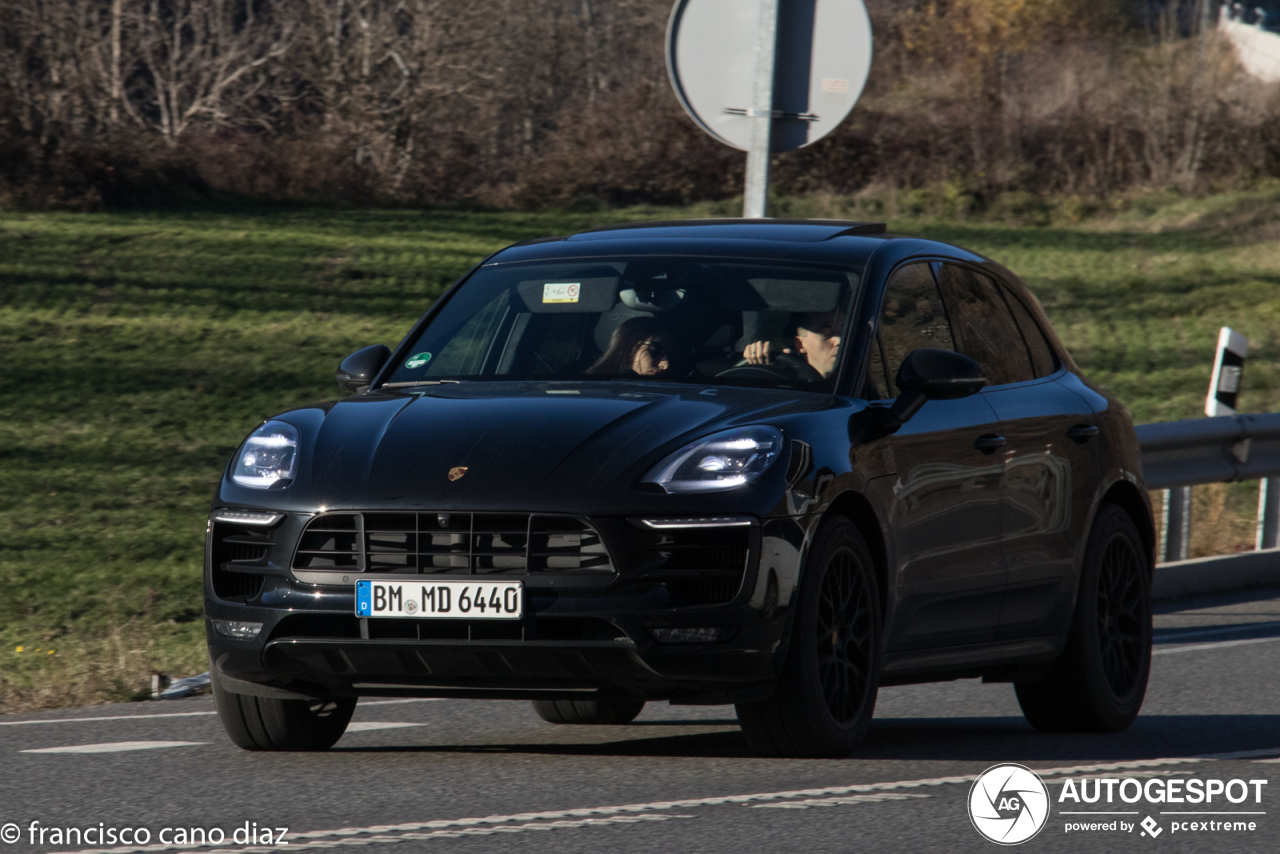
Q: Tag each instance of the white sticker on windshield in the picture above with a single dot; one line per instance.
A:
(561, 291)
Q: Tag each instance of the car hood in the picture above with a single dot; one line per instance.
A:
(552, 446)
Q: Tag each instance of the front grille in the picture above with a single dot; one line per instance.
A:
(438, 543)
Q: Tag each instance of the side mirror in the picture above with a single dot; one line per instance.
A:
(932, 375)
(358, 370)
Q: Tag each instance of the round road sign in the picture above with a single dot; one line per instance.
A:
(822, 61)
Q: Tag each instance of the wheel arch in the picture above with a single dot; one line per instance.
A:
(1129, 498)
(855, 507)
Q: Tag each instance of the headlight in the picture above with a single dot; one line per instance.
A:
(721, 461)
(268, 456)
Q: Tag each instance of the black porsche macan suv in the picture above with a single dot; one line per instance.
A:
(767, 463)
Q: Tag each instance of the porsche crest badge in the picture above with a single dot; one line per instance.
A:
(457, 472)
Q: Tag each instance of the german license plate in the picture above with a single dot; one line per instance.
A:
(440, 600)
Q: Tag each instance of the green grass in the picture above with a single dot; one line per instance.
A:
(140, 348)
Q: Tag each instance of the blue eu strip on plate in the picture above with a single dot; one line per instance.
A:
(362, 598)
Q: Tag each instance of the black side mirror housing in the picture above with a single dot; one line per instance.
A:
(932, 375)
(358, 370)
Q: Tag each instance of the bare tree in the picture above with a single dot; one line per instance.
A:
(206, 60)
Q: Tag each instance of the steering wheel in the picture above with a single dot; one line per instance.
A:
(785, 366)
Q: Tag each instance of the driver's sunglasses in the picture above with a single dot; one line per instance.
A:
(656, 351)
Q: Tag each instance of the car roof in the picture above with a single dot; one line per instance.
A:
(785, 230)
(833, 241)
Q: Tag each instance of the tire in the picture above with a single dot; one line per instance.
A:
(593, 712)
(825, 698)
(1099, 682)
(264, 723)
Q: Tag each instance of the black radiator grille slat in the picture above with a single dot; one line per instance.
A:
(452, 544)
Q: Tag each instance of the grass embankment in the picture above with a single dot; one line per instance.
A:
(140, 348)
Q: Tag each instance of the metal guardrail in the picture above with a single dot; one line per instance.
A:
(1179, 454)
(1210, 450)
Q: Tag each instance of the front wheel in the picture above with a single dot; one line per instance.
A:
(824, 700)
(1100, 680)
(595, 712)
(266, 723)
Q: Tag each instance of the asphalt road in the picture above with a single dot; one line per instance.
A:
(466, 776)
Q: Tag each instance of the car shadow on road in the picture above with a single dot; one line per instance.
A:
(999, 739)
(979, 739)
(725, 744)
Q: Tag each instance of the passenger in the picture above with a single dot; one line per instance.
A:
(814, 335)
(640, 345)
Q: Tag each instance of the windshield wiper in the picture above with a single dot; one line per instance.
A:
(418, 382)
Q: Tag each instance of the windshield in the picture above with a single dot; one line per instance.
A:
(694, 320)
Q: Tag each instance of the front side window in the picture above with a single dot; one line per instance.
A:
(696, 320)
(911, 318)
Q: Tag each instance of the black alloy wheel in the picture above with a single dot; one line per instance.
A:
(1099, 681)
(825, 698)
(1120, 615)
(845, 632)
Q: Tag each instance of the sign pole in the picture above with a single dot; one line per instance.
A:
(755, 201)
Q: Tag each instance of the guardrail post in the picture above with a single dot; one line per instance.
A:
(1175, 528)
(1268, 513)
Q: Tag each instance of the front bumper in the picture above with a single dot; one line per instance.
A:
(575, 641)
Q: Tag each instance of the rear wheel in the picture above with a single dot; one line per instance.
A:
(587, 711)
(266, 723)
(825, 698)
(1100, 680)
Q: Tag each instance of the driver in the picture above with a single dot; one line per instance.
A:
(814, 335)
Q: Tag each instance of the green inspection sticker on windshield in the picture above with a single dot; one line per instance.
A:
(418, 361)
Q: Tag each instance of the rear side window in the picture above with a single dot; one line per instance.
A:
(1043, 361)
(983, 325)
(911, 318)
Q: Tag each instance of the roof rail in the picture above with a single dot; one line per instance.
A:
(853, 227)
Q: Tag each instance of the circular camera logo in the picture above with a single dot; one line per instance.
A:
(1009, 804)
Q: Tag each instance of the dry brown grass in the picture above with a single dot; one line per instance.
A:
(87, 671)
(1223, 518)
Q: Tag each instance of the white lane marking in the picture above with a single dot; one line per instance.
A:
(362, 704)
(370, 726)
(1243, 754)
(399, 837)
(1220, 645)
(360, 835)
(833, 802)
(114, 747)
(1205, 631)
(106, 718)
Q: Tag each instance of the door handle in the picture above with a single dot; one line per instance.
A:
(989, 442)
(1082, 433)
